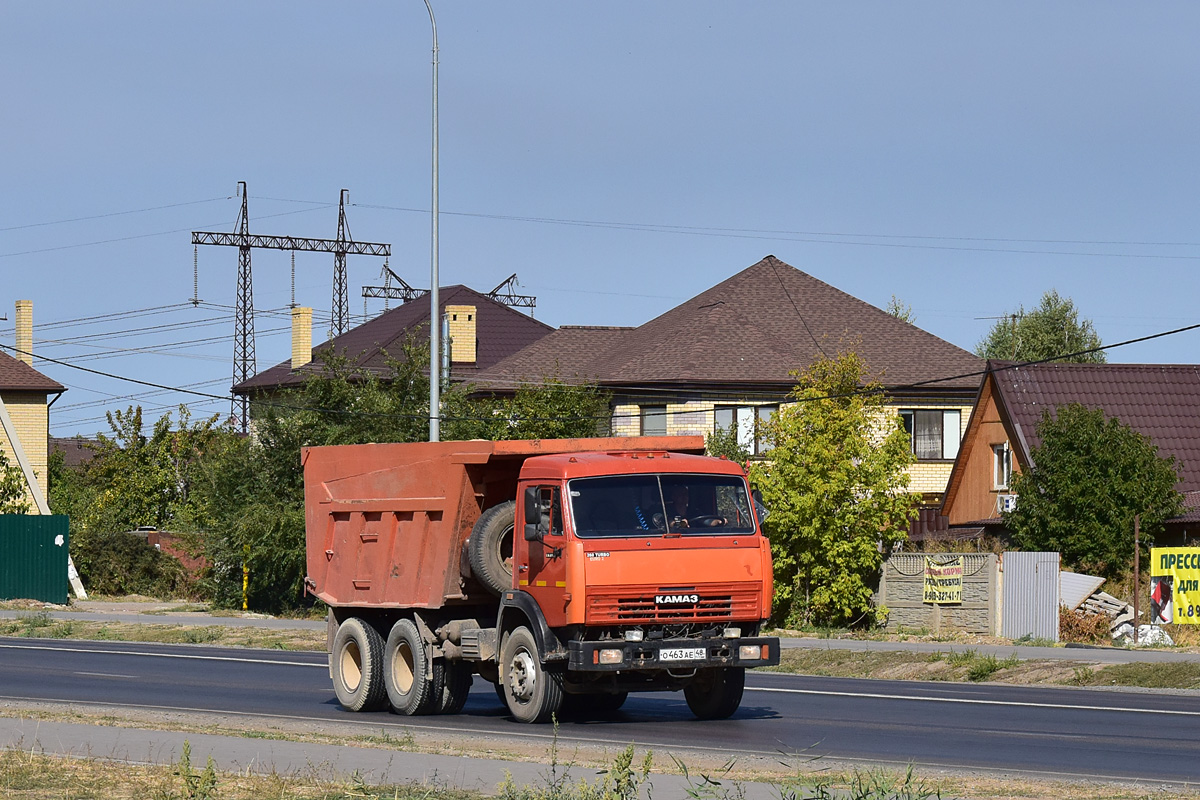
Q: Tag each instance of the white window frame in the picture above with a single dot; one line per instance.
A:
(657, 412)
(751, 425)
(1002, 464)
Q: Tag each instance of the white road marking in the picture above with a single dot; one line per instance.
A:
(105, 675)
(971, 701)
(193, 656)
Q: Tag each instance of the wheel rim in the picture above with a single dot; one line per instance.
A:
(351, 666)
(403, 668)
(522, 677)
(504, 549)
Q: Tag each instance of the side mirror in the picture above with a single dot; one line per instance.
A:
(533, 515)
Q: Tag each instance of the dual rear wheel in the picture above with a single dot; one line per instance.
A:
(369, 673)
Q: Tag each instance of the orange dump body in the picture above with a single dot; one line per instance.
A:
(386, 524)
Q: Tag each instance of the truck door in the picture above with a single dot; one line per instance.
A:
(542, 573)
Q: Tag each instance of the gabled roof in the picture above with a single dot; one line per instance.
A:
(1161, 401)
(753, 329)
(17, 376)
(501, 331)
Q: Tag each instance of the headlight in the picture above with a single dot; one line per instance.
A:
(752, 652)
(612, 656)
(634, 635)
(732, 633)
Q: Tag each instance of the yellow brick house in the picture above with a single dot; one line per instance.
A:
(26, 393)
(726, 356)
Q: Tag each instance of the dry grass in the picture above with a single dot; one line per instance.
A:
(40, 625)
(971, 666)
(28, 775)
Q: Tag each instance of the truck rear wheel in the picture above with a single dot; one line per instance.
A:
(490, 550)
(356, 666)
(456, 686)
(716, 693)
(532, 692)
(413, 682)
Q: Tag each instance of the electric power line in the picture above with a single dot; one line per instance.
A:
(889, 390)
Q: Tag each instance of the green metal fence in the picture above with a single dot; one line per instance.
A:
(33, 558)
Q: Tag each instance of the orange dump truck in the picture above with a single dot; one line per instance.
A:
(567, 572)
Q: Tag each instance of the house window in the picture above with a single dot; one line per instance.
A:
(1002, 466)
(933, 433)
(654, 420)
(751, 422)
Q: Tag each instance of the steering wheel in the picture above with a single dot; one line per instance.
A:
(710, 520)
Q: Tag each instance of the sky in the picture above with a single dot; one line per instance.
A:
(619, 157)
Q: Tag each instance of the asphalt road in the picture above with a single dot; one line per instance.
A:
(1052, 732)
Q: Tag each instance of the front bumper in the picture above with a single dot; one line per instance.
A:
(671, 654)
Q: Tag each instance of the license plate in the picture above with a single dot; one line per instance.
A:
(681, 654)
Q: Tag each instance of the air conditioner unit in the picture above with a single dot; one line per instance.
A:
(1006, 503)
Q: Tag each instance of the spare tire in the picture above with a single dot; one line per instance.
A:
(490, 549)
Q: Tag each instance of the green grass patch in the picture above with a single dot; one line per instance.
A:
(1163, 675)
(40, 625)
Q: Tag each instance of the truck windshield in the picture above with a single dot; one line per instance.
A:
(637, 505)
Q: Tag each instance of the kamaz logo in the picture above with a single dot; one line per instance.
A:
(675, 599)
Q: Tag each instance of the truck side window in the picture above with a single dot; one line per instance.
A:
(551, 504)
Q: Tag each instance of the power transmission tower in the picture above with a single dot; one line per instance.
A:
(402, 291)
(341, 297)
(505, 293)
(243, 334)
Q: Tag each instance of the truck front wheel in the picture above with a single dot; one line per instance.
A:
(716, 693)
(532, 692)
(413, 682)
(356, 665)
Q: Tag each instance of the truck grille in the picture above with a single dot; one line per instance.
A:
(638, 604)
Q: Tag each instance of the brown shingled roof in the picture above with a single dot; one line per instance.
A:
(16, 376)
(753, 329)
(501, 332)
(1161, 401)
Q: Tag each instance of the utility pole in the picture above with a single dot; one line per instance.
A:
(243, 334)
(1137, 568)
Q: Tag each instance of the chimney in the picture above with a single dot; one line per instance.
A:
(301, 336)
(462, 334)
(25, 331)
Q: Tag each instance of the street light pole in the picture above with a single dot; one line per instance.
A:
(435, 322)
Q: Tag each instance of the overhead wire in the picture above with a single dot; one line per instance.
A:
(140, 236)
(112, 214)
(826, 396)
(809, 237)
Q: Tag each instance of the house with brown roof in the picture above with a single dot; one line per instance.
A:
(25, 394)
(727, 355)
(482, 331)
(1161, 401)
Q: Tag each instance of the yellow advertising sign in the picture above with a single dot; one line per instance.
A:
(1175, 585)
(943, 580)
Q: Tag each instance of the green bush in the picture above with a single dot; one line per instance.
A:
(124, 563)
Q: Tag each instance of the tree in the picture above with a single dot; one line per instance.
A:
(1089, 477)
(1051, 330)
(901, 310)
(134, 479)
(726, 442)
(13, 497)
(836, 488)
